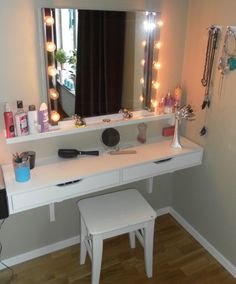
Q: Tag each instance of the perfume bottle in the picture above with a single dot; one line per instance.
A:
(21, 121)
(169, 103)
(142, 128)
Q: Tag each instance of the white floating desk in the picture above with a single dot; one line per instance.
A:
(64, 179)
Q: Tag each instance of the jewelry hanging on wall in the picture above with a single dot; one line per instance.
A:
(213, 35)
(227, 60)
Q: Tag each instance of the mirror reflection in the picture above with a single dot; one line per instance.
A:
(98, 62)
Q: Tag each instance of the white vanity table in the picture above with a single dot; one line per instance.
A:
(56, 179)
(64, 179)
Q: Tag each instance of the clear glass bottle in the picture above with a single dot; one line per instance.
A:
(21, 121)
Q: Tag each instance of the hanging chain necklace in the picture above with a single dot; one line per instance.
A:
(213, 34)
(209, 61)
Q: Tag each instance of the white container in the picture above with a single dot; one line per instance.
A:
(33, 119)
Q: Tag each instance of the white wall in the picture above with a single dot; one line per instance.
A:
(20, 79)
(205, 196)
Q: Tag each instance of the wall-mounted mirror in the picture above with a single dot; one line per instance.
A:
(98, 62)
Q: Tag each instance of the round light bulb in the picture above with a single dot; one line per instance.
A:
(157, 65)
(55, 116)
(157, 45)
(53, 94)
(141, 98)
(156, 85)
(144, 43)
(142, 62)
(141, 81)
(49, 21)
(50, 46)
(160, 23)
(149, 26)
(154, 103)
(52, 71)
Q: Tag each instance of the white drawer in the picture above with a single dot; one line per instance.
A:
(161, 167)
(44, 196)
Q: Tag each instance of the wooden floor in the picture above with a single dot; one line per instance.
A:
(178, 259)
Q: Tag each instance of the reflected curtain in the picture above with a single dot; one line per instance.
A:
(100, 60)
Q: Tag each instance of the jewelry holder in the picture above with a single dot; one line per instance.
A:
(184, 112)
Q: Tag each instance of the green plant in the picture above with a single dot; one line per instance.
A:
(61, 56)
(72, 60)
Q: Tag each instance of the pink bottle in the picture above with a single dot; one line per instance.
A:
(9, 121)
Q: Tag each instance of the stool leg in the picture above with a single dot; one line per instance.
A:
(132, 239)
(96, 258)
(83, 250)
(148, 247)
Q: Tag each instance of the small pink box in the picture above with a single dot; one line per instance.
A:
(168, 131)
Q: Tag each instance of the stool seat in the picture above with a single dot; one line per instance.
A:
(110, 215)
(115, 210)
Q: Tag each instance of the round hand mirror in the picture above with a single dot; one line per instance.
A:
(110, 137)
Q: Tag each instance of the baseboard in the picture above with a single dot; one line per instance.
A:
(75, 240)
(163, 211)
(199, 238)
(40, 251)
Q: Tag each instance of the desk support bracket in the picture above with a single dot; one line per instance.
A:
(52, 212)
(149, 186)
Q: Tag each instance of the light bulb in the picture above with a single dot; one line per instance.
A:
(157, 45)
(144, 43)
(52, 71)
(50, 46)
(53, 94)
(142, 62)
(154, 103)
(49, 21)
(55, 116)
(141, 81)
(149, 26)
(160, 23)
(141, 98)
(157, 65)
(156, 85)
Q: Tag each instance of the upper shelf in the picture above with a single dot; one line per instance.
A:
(94, 123)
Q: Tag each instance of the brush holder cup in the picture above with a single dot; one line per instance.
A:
(22, 170)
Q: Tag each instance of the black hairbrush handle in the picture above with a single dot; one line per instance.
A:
(72, 153)
(93, 153)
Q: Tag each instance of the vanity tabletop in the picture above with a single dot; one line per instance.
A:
(56, 171)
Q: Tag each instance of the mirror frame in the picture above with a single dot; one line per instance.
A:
(41, 47)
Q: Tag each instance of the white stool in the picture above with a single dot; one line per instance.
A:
(111, 215)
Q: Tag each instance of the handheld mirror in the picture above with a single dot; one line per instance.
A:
(110, 137)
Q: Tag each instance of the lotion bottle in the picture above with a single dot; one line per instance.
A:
(33, 119)
(9, 121)
(21, 121)
(43, 118)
